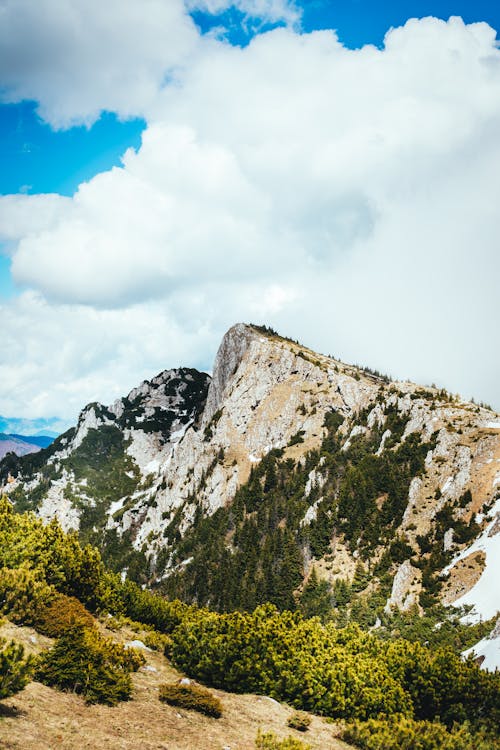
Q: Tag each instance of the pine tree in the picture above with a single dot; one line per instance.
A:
(15, 670)
(83, 662)
(316, 599)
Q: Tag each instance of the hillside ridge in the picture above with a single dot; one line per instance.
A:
(379, 485)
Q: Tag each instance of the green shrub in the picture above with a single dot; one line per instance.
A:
(343, 673)
(15, 670)
(406, 734)
(53, 618)
(22, 593)
(314, 667)
(28, 600)
(297, 438)
(57, 558)
(269, 741)
(192, 697)
(300, 721)
(130, 658)
(158, 641)
(84, 662)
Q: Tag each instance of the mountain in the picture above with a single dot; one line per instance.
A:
(288, 476)
(16, 444)
(40, 441)
(23, 444)
(50, 426)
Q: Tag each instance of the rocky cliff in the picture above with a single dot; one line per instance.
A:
(229, 490)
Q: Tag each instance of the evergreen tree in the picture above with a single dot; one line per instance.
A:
(81, 661)
(15, 670)
(316, 599)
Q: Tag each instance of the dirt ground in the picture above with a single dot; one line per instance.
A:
(40, 718)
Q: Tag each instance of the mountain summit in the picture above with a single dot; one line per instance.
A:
(284, 471)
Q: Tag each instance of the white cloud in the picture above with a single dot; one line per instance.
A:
(78, 57)
(29, 214)
(57, 358)
(345, 197)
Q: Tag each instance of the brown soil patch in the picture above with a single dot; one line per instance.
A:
(463, 576)
(485, 467)
(40, 718)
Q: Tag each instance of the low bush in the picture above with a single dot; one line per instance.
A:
(343, 673)
(128, 657)
(406, 734)
(158, 641)
(84, 662)
(62, 612)
(15, 669)
(22, 593)
(300, 721)
(192, 697)
(269, 741)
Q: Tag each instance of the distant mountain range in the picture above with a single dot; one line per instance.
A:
(21, 445)
(22, 436)
(29, 428)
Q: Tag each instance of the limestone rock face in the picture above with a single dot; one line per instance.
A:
(180, 445)
(122, 446)
(404, 592)
(230, 353)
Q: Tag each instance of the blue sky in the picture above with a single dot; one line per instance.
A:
(145, 267)
(37, 159)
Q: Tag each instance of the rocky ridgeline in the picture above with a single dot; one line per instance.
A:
(178, 447)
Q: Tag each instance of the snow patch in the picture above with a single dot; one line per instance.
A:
(484, 596)
(489, 649)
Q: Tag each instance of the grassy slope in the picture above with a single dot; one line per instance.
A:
(40, 718)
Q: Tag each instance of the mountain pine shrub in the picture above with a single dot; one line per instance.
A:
(22, 594)
(344, 673)
(15, 669)
(269, 741)
(158, 641)
(300, 721)
(193, 697)
(406, 734)
(55, 557)
(84, 662)
(62, 612)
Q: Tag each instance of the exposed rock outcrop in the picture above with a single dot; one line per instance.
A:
(144, 470)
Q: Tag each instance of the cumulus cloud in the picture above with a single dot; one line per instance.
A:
(78, 57)
(347, 197)
(61, 357)
(56, 358)
(22, 215)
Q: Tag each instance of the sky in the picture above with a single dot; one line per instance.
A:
(171, 167)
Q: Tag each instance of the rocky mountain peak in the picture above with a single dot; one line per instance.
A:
(229, 355)
(284, 460)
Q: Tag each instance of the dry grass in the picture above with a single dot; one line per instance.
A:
(40, 718)
(463, 576)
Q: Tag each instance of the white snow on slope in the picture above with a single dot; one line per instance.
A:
(489, 648)
(485, 594)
